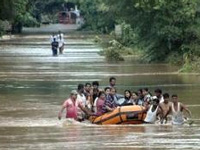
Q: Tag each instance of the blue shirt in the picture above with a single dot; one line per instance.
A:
(109, 102)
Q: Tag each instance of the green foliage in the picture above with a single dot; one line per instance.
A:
(163, 28)
(112, 53)
(15, 11)
(97, 16)
(193, 66)
(4, 26)
(129, 37)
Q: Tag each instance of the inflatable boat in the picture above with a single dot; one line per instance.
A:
(122, 115)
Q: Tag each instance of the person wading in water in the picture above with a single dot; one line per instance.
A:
(61, 42)
(72, 105)
(54, 46)
(177, 109)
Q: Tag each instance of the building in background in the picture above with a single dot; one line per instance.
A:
(70, 15)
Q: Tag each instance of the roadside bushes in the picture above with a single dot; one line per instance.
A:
(113, 52)
(4, 26)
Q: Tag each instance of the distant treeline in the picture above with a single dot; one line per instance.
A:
(164, 30)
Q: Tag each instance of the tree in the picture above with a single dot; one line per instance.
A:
(163, 26)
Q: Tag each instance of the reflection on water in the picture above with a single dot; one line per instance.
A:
(33, 85)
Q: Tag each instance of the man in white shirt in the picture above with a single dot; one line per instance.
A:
(82, 100)
(61, 42)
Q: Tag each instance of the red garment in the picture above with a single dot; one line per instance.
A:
(71, 108)
(99, 105)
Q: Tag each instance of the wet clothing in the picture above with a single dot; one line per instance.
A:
(71, 108)
(54, 46)
(151, 115)
(60, 38)
(82, 100)
(177, 116)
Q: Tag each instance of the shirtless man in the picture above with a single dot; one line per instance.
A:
(165, 108)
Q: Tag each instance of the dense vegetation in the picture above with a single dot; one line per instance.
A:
(163, 30)
(19, 13)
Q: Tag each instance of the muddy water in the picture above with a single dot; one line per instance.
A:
(33, 85)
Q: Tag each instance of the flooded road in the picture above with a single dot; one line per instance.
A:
(33, 85)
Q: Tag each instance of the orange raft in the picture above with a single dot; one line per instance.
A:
(122, 115)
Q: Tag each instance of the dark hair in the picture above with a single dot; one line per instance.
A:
(158, 91)
(80, 86)
(139, 90)
(95, 83)
(87, 84)
(136, 93)
(166, 95)
(106, 88)
(146, 89)
(112, 78)
(100, 93)
(129, 93)
(113, 88)
(156, 100)
(174, 95)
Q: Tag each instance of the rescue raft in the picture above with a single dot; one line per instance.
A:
(134, 114)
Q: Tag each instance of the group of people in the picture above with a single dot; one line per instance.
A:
(89, 100)
(57, 42)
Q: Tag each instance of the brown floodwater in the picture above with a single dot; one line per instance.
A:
(33, 85)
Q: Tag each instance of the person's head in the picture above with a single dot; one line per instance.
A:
(166, 97)
(155, 102)
(112, 81)
(113, 91)
(95, 84)
(54, 39)
(158, 92)
(175, 98)
(73, 94)
(102, 95)
(140, 95)
(145, 91)
(81, 88)
(134, 95)
(107, 90)
(87, 87)
(127, 94)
